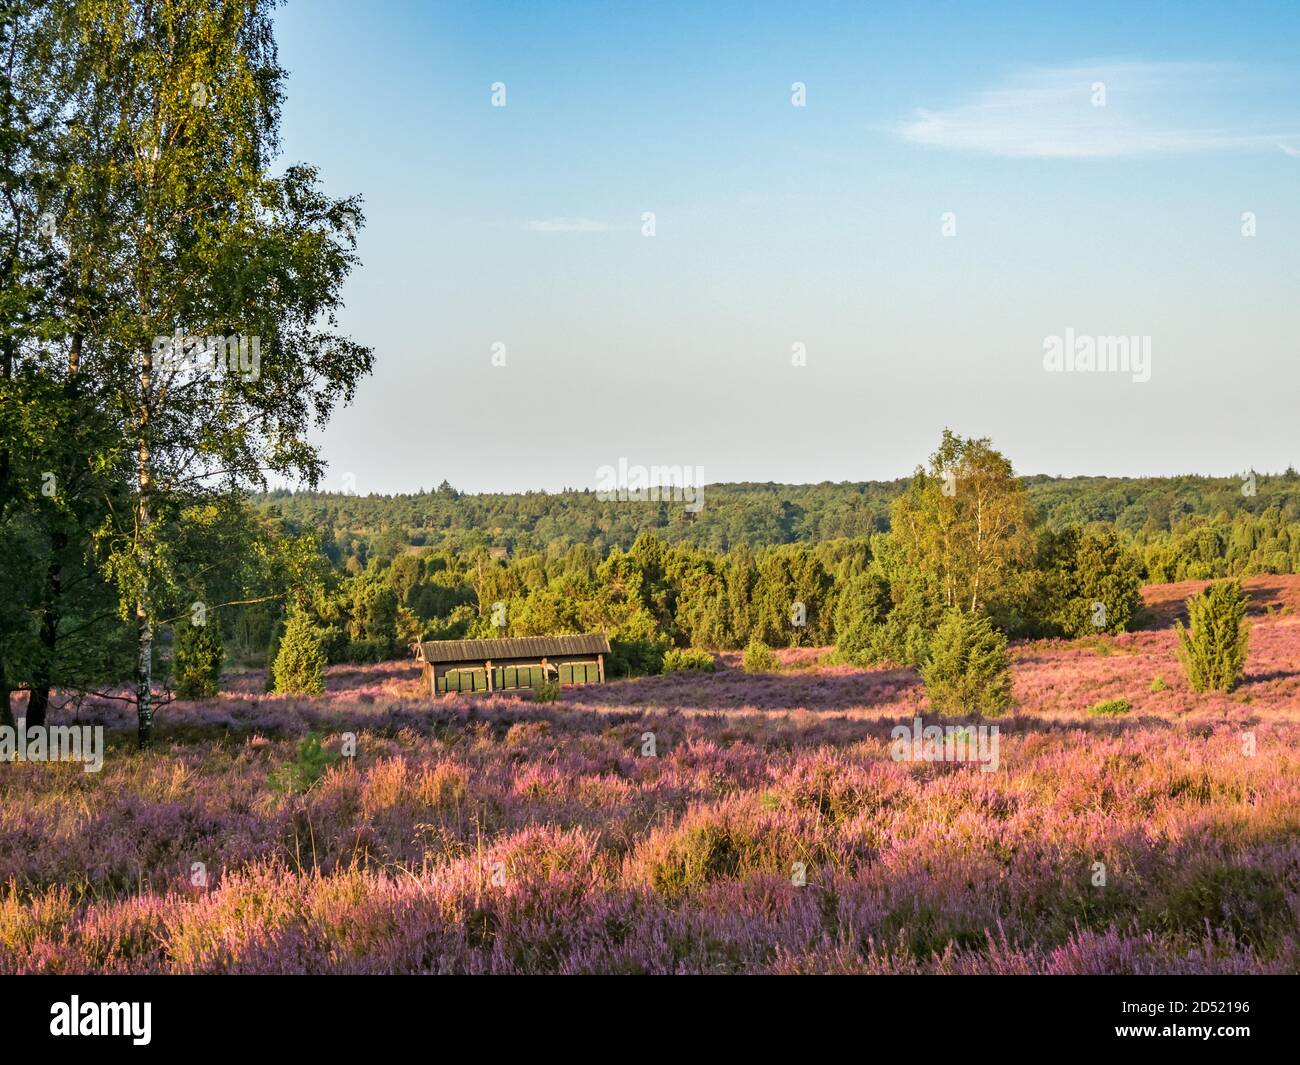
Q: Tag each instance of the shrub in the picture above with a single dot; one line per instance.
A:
(308, 766)
(922, 930)
(368, 652)
(373, 614)
(198, 659)
(968, 670)
(635, 656)
(334, 641)
(1109, 708)
(758, 658)
(1213, 654)
(1249, 903)
(546, 692)
(273, 652)
(455, 626)
(891, 613)
(701, 854)
(860, 618)
(1159, 685)
(410, 628)
(1098, 580)
(677, 660)
(300, 663)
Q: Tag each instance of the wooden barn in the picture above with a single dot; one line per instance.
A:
(513, 663)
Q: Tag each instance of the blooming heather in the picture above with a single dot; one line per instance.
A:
(769, 831)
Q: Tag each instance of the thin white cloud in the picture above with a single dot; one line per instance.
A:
(1149, 109)
(568, 225)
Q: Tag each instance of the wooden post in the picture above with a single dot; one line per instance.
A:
(600, 665)
(489, 675)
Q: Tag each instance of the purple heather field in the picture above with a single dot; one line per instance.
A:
(495, 834)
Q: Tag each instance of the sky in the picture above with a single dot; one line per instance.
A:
(651, 254)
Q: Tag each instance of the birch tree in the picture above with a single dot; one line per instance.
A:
(966, 520)
(218, 280)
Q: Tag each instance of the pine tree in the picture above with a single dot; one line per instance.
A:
(968, 670)
(758, 658)
(273, 652)
(199, 656)
(1088, 569)
(741, 575)
(1213, 654)
(300, 663)
(860, 616)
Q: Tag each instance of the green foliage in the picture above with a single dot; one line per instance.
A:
(335, 643)
(455, 626)
(968, 671)
(547, 692)
(635, 657)
(60, 477)
(664, 591)
(309, 765)
(861, 618)
(758, 658)
(1249, 903)
(703, 853)
(793, 599)
(868, 594)
(273, 652)
(1155, 511)
(1213, 654)
(888, 613)
(367, 652)
(410, 629)
(968, 522)
(1109, 708)
(199, 656)
(1242, 538)
(171, 217)
(1093, 580)
(372, 619)
(300, 663)
(680, 659)
(1158, 684)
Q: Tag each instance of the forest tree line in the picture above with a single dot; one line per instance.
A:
(757, 515)
(986, 548)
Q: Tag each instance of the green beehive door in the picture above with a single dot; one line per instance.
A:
(579, 673)
(463, 680)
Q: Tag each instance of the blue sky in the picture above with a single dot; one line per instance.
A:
(820, 226)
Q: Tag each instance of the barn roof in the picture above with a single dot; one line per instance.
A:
(590, 643)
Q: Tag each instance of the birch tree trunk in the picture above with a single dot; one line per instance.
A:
(143, 621)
